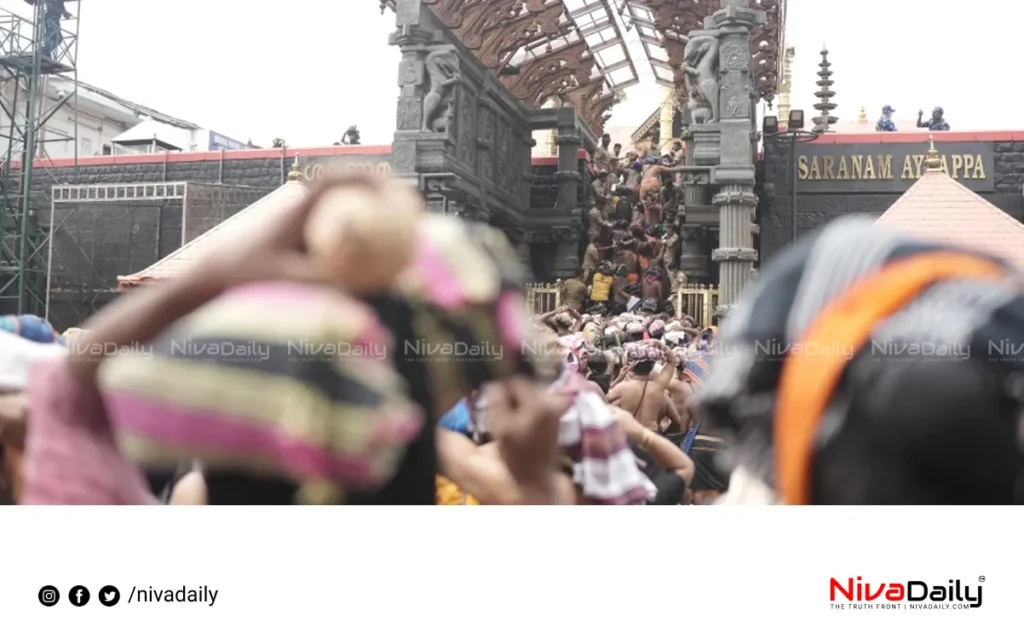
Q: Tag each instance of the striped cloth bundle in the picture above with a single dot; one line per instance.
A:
(604, 468)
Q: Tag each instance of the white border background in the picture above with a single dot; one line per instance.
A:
(473, 569)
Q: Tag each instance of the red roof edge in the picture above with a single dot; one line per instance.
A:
(920, 136)
(245, 154)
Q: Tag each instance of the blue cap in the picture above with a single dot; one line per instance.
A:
(888, 108)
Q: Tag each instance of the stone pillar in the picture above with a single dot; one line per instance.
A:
(423, 139)
(570, 179)
(570, 142)
(735, 173)
(693, 257)
(668, 112)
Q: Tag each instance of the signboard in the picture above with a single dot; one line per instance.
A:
(316, 167)
(889, 167)
(220, 142)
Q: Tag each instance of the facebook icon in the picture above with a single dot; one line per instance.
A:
(79, 596)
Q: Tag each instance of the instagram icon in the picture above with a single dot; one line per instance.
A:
(49, 596)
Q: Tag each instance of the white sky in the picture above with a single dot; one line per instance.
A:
(305, 70)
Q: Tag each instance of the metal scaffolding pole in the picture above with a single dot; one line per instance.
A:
(30, 53)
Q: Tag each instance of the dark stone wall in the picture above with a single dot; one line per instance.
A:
(816, 209)
(544, 188)
(94, 244)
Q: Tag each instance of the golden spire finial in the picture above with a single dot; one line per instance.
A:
(296, 173)
(932, 160)
(863, 118)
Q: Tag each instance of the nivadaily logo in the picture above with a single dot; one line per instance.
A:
(911, 594)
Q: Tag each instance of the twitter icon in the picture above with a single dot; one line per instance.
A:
(109, 596)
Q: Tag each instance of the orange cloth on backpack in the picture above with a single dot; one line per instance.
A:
(809, 381)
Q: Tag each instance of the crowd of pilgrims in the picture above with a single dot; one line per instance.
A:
(322, 360)
(630, 261)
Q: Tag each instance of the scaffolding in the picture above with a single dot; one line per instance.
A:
(94, 233)
(25, 109)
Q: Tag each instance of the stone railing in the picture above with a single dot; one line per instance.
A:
(542, 298)
(697, 301)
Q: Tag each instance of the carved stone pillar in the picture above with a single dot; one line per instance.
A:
(735, 173)
(428, 80)
(693, 255)
(570, 179)
(569, 141)
(694, 195)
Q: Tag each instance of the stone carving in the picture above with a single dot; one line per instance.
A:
(442, 73)
(409, 115)
(502, 149)
(403, 157)
(734, 108)
(734, 254)
(736, 145)
(748, 198)
(734, 58)
(700, 66)
(410, 72)
(485, 133)
(467, 126)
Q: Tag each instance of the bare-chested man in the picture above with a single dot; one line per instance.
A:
(652, 211)
(652, 284)
(680, 390)
(652, 173)
(629, 258)
(643, 393)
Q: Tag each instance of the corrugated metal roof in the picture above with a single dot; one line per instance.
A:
(939, 209)
(229, 231)
(100, 95)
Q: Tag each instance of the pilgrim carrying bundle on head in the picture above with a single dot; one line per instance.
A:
(355, 379)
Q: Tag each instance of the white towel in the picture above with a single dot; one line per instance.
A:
(17, 355)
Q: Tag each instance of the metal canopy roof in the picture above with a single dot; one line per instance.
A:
(594, 22)
(642, 18)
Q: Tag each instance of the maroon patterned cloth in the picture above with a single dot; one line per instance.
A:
(72, 457)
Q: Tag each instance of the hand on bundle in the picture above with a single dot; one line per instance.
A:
(524, 418)
(521, 465)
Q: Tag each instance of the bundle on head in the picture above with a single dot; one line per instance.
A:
(363, 232)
